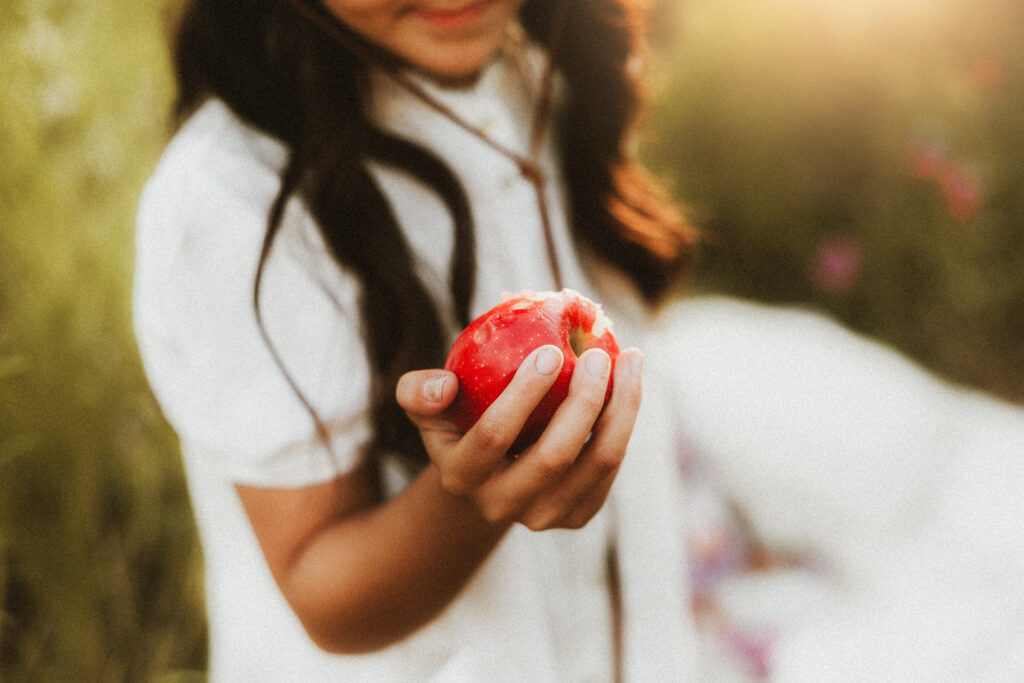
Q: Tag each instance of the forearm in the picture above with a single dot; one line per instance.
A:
(365, 581)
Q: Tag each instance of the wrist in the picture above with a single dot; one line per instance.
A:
(464, 511)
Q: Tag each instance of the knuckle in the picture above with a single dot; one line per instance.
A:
(541, 521)
(590, 395)
(592, 400)
(583, 512)
(491, 434)
(530, 383)
(455, 483)
(633, 398)
(575, 521)
(607, 461)
(550, 468)
(535, 525)
(497, 512)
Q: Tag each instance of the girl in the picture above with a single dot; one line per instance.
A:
(353, 181)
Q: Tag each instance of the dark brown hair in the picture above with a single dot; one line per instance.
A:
(281, 74)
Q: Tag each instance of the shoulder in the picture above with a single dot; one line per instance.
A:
(214, 134)
(215, 153)
(203, 212)
(201, 225)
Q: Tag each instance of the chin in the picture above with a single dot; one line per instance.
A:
(455, 66)
(454, 79)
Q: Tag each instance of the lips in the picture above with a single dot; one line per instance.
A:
(456, 18)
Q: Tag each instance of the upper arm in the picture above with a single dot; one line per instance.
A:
(285, 520)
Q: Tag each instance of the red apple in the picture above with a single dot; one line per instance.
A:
(490, 350)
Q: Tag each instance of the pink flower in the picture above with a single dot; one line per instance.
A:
(957, 186)
(961, 191)
(837, 265)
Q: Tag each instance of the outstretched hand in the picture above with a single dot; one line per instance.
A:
(563, 479)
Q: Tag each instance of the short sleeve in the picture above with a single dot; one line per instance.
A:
(238, 394)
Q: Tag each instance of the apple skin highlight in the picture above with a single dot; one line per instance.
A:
(488, 352)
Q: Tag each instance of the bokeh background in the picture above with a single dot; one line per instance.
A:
(861, 157)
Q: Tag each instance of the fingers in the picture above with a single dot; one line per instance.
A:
(486, 444)
(560, 444)
(581, 492)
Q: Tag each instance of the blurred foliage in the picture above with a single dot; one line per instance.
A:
(858, 156)
(861, 156)
(98, 560)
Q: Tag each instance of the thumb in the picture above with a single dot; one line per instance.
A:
(426, 392)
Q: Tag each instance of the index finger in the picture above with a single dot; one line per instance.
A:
(487, 442)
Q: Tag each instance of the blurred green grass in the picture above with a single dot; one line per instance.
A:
(865, 158)
(98, 560)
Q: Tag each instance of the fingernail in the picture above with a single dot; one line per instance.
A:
(636, 363)
(433, 388)
(548, 361)
(597, 363)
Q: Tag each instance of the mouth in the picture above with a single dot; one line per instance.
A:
(456, 18)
